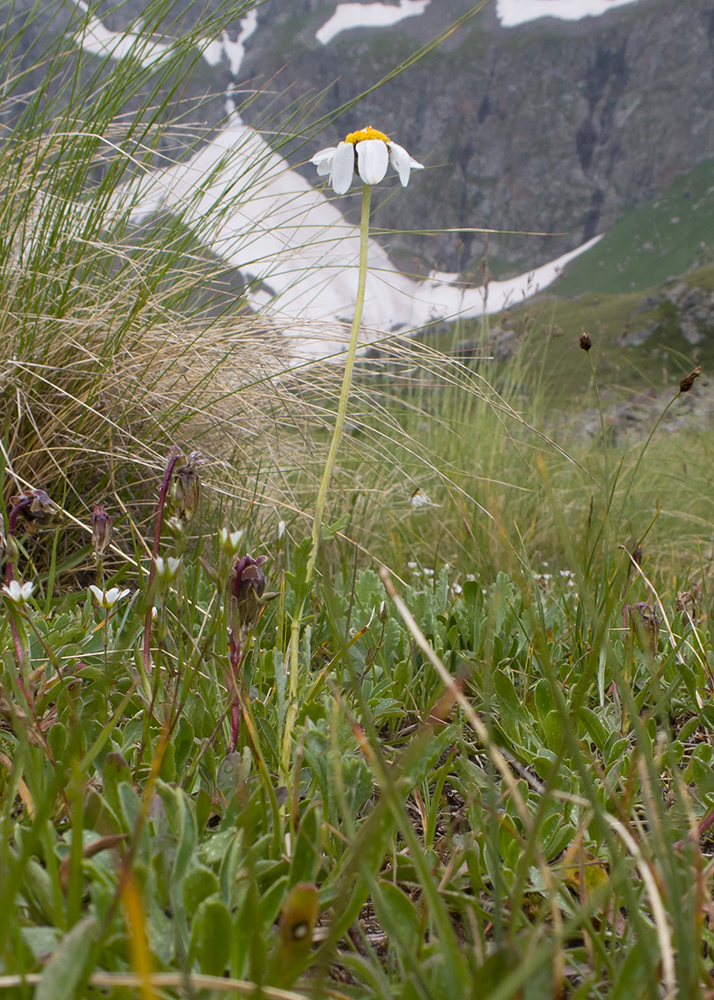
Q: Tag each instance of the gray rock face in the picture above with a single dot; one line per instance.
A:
(549, 127)
(677, 305)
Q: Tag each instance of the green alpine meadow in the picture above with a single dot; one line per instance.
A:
(380, 672)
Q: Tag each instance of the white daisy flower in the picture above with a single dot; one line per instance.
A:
(108, 598)
(19, 593)
(367, 153)
(419, 499)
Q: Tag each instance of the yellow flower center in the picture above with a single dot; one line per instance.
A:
(366, 133)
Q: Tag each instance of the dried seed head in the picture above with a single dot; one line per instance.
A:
(644, 622)
(102, 529)
(585, 341)
(36, 510)
(688, 381)
(185, 488)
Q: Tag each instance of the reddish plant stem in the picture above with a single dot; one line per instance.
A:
(236, 660)
(701, 829)
(158, 525)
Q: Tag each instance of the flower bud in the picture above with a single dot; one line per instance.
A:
(102, 529)
(248, 588)
(230, 541)
(166, 569)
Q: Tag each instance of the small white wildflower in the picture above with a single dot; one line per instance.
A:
(411, 565)
(166, 569)
(457, 588)
(367, 153)
(281, 530)
(108, 598)
(420, 499)
(428, 572)
(230, 541)
(19, 593)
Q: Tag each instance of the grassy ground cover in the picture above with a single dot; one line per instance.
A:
(482, 768)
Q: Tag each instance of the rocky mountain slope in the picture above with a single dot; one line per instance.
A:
(551, 126)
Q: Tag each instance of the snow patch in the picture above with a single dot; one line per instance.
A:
(245, 203)
(514, 12)
(214, 50)
(368, 15)
(100, 41)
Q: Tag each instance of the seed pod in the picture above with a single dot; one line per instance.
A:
(688, 381)
(102, 529)
(185, 487)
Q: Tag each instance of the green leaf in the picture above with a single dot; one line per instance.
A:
(630, 983)
(65, 970)
(211, 937)
(308, 852)
(199, 883)
(553, 727)
(398, 916)
(114, 771)
(703, 777)
(594, 728)
(543, 700)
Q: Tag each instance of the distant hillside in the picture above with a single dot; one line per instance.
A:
(648, 245)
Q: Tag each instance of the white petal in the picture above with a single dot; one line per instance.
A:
(343, 168)
(402, 162)
(99, 594)
(372, 160)
(323, 160)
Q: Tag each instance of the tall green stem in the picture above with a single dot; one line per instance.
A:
(346, 384)
(326, 477)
